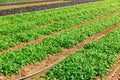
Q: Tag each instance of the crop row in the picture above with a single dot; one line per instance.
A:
(11, 62)
(21, 22)
(94, 59)
(14, 39)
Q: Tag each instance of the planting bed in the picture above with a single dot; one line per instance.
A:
(35, 40)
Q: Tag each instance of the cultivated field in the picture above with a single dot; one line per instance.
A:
(75, 42)
(29, 3)
(14, 1)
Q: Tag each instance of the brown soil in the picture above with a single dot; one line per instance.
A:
(23, 44)
(51, 59)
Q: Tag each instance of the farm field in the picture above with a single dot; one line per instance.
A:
(28, 5)
(92, 60)
(75, 42)
(14, 1)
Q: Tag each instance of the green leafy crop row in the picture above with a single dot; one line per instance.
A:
(20, 22)
(27, 35)
(94, 59)
(11, 62)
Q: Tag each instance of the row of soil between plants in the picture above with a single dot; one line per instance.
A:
(51, 59)
(42, 7)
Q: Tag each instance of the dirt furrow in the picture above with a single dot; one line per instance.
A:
(23, 44)
(51, 59)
